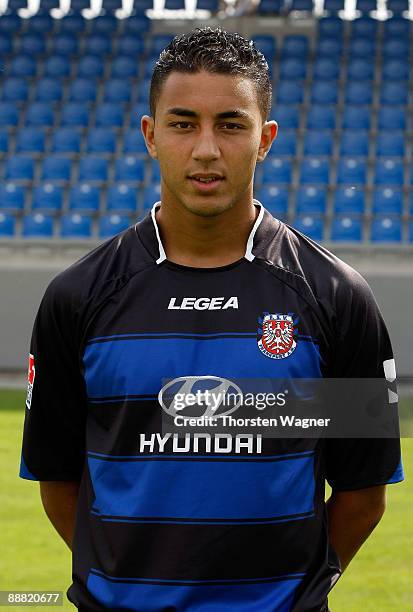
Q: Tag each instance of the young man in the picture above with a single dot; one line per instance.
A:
(157, 522)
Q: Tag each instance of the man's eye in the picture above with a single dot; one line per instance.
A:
(233, 125)
(185, 123)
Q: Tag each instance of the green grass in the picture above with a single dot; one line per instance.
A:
(34, 557)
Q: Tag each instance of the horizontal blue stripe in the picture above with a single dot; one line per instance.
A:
(24, 470)
(137, 366)
(170, 334)
(274, 521)
(202, 490)
(145, 596)
(206, 457)
(398, 475)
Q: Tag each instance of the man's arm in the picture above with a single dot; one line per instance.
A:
(59, 500)
(352, 517)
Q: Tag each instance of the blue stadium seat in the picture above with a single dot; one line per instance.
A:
(290, 92)
(397, 7)
(93, 168)
(329, 48)
(56, 168)
(109, 225)
(270, 7)
(32, 44)
(208, 5)
(9, 115)
(10, 24)
(331, 26)
(104, 24)
(318, 142)
(149, 65)
(151, 194)
(314, 170)
(395, 48)
(324, 92)
(302, 5)
(15, 89)
(30, 140)
(287, 116)
(365, 27)
(130, 168)
(5, 45)
(122, 196)
(295, 46)
(266, 44)
(276, 170)
(386, 229)
(47, 197)
(57, 66)
(158, 42)
(293, 68)
(356, 117)
(143, 90)
(390, 143)
(124, 67)
(313, 227)
(392, 118)
(64, 44)
(326, 69)
(395, 70)
(397, 27)
(361, 48)
(285, 143)
(134, 142)
(394, 93)
(410, 231)
(349, 200)
(22, 66)
(352, 171)
(109, 115)
(19, 167)
(90, 66)
(83, 90)
(321, 117)
(311, 200)
(345, 228)
(76, 226)
(117, 90)
(354, 143)
(66, 140)
(39, 114)
(155, 172)
(138, 24)
(359, 93)
(360, 69)
(42, 23)
(136, 113)
(84, 197)
(75, 114)
(12, 196)
(131, 46)
(4, 140)
(101, 140)
(48, 90)
(73, 24)
(273, 197)
(37, 225)
(387, 201)
(7, 225)
(388, 172)
(98, 45)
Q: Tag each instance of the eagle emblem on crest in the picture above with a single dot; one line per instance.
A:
(276, 335)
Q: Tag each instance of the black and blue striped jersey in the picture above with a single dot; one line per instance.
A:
(166, 522)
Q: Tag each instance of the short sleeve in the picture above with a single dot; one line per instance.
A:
(362, 350)
(53, 445)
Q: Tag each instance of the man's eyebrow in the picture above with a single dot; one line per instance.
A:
(230, 114)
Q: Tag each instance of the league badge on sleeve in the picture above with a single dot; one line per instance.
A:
(30, 381)
(276, 335)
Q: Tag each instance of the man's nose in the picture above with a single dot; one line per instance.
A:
(206, 147)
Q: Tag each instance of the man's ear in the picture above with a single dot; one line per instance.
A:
(268, 135)
(148, 132)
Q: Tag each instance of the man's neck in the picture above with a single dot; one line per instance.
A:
(205, 242)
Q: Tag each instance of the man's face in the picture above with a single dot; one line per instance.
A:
(191, 135)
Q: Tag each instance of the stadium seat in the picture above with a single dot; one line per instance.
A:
(76, 226)
(19, 167)
(321, 117)
(287, 116)
(359, 93)
(311, 200)
(151, 194)
(314, 170)
(365, 27)
(30, 140)
(394, 93)
(32, 44)
(66, 140)
(397, 28)
(22, 66)
(361, 48)
(397, 7)
(134, 142)
(266, 44)
(386, 229)
(387, 201)
(351, 170)
(56, 168)
(270, 7)
(138, 24)
(395, 48)
(155, 172)
(276, 170)
(117, 90)
(324, 93)
(57, 66)
(293, 69)
(84, 197)
(73, 24)
(136, 113)
(295, 46)
(104, 24)
(47, 197)
(130, 168)
(349, 201)
(390, 143)
(143, 90)
(37, 225)
(7, 225)
(392, 118)
(93, 168)
(75, 114)
(42, 23)
(285, 143)
(12, 196)
(331, 26)
(344, 228)
(388, 172)
(360, 70)
(15, 90)
(5, 45)
(109, 114)
(312, 227)
(10, 24)
(149, 65)
(90, 66)
(290, 92)
(395, 70)
(101, 140)
(9, 115)
(273, 197)
(326, 69)
(318, 142)
(356, 117)
(354, 143)
(158, 42)
(131, 46)
(48, 90)
(4, 140)
(83, 90)
(122, 197)
(109, 225)
(98, 44)
(302, 5)
(124, 67)
(64, 44)
(39, 114)
(329, 48)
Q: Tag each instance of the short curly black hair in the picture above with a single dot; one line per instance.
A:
(215, 51)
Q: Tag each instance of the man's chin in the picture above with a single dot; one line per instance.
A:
(207, 209)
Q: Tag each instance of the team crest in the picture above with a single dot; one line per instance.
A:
(30, 381)
(276, 336)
